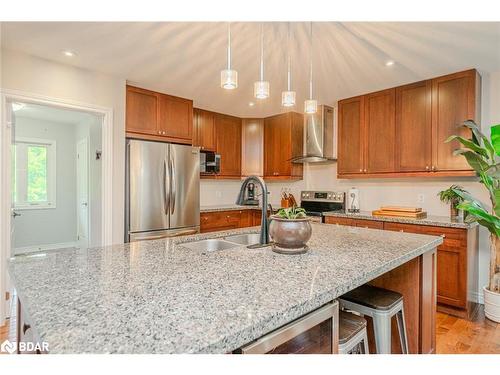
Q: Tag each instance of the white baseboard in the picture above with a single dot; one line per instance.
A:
(477, 297)
(36, 248)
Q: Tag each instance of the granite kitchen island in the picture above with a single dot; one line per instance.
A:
(162, 297)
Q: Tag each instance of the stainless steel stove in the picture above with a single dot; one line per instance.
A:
(317, 202)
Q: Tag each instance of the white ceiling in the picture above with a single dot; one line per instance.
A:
(185, 59)
(53, 114)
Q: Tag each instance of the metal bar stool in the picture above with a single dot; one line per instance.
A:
(381, 305)
(353, 338)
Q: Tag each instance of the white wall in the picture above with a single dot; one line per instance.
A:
(35, 75)
(52, 225)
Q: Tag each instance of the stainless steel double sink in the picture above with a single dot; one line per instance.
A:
(224, 243)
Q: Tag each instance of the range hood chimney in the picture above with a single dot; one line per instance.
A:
(319, 137)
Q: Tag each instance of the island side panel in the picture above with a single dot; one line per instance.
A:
(416, 281)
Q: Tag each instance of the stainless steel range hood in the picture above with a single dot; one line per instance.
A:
(319, 139)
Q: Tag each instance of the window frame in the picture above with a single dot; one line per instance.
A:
(50, 203)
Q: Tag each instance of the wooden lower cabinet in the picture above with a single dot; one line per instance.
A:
(457, 261)
(227, 220)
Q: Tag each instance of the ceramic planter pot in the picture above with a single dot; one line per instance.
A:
(491, 305)
(291, 234)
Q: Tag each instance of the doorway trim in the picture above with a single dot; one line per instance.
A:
(8, 96)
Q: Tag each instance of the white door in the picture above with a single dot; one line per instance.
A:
(82, 193)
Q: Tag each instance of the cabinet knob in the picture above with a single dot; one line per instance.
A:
(443, 235)
(433, 168)
(401, 230)
(365, 170)
(159, 131)
(163, 133)
(426, 167)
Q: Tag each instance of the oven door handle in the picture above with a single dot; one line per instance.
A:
(295, 328)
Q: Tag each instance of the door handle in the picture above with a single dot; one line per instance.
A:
(15, 214)
(166, 197)
(173, 188)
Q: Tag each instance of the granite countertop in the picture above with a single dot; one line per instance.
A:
(233, 207)
(161, 297)
(437, 221)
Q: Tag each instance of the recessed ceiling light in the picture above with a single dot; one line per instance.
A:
(389, 63)
(68, 53)
(251, 104)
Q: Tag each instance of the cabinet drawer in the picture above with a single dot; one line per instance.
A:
(454, 236)
(373, 224)
(339, 220)
(221, 220)
(398, 227)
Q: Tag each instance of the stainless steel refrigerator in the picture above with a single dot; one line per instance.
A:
(163, 190)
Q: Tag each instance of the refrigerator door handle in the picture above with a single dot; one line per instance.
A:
(166, 182)
(173, 188)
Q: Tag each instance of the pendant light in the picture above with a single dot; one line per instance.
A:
(261, 88)
(288, 97)
(229, 77)
(310, 105)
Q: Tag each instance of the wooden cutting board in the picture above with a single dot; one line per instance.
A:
(414, 215)
(400, 209)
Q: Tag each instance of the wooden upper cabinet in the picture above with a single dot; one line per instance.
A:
(402, 131)
(413, 127)
(252, 147)
(175, 117)
(228, 141)
(283, 141)
(204, 130)
(350, 135)
(453, 101)
(141, 111)
(156, 116)
(380, 133)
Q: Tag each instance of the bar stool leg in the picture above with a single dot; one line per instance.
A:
(382, 330)
(365, 344)
(400, 317)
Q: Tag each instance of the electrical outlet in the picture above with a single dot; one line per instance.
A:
(420, 198)
(218, 194)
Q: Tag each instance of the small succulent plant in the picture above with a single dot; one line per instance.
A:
(292, 213)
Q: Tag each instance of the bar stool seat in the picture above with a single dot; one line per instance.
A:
(353, 338)
(381, 305)
(373, 297)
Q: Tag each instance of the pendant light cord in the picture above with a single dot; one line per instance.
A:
(289, 75)
(261, 51)
(311, 61)
(229, 46)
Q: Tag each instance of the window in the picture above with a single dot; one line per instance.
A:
(34, 173)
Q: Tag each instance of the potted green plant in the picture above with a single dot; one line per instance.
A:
(482, 154)
(290, 229)
(453, 197)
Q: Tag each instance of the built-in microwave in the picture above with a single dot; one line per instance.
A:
(209, 162)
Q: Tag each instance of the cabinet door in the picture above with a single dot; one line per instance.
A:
(141, 111)
(204, 130)
(271, 146)
(283, 151)
(413, 127)
(339, 220)
(380, 134)
(350, 136)
(228, 140)
(175, 117)
(252, 148)
(453, 101)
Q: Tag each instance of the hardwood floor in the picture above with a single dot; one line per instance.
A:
(459, 336)
(453, 335)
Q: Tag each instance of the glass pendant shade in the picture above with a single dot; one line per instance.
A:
(310, 106)
(261, 89)
(288, 98)
(229, 79)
